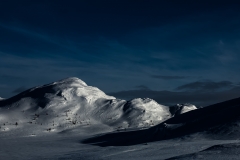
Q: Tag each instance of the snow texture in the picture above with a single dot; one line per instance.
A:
(68, 119)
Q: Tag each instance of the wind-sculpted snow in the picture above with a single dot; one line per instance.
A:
(71, 103)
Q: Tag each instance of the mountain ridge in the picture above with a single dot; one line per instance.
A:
(72, 103)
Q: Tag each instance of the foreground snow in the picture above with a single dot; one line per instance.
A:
(67, 146)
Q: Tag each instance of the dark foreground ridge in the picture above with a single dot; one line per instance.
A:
(208, 119)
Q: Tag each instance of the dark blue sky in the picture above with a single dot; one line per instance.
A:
(127, 48)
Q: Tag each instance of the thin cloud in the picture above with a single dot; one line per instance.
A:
(206, 86)
(168, 77)
(142, 87)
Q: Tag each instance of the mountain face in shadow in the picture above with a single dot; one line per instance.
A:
(218, 121)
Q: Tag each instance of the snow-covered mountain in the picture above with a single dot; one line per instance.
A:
(61, 119)
(71, 103)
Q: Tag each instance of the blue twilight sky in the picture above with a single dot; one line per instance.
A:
(172, 51)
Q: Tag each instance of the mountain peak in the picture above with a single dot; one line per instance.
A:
(181, 108)
(68, 89)
(71, 81)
